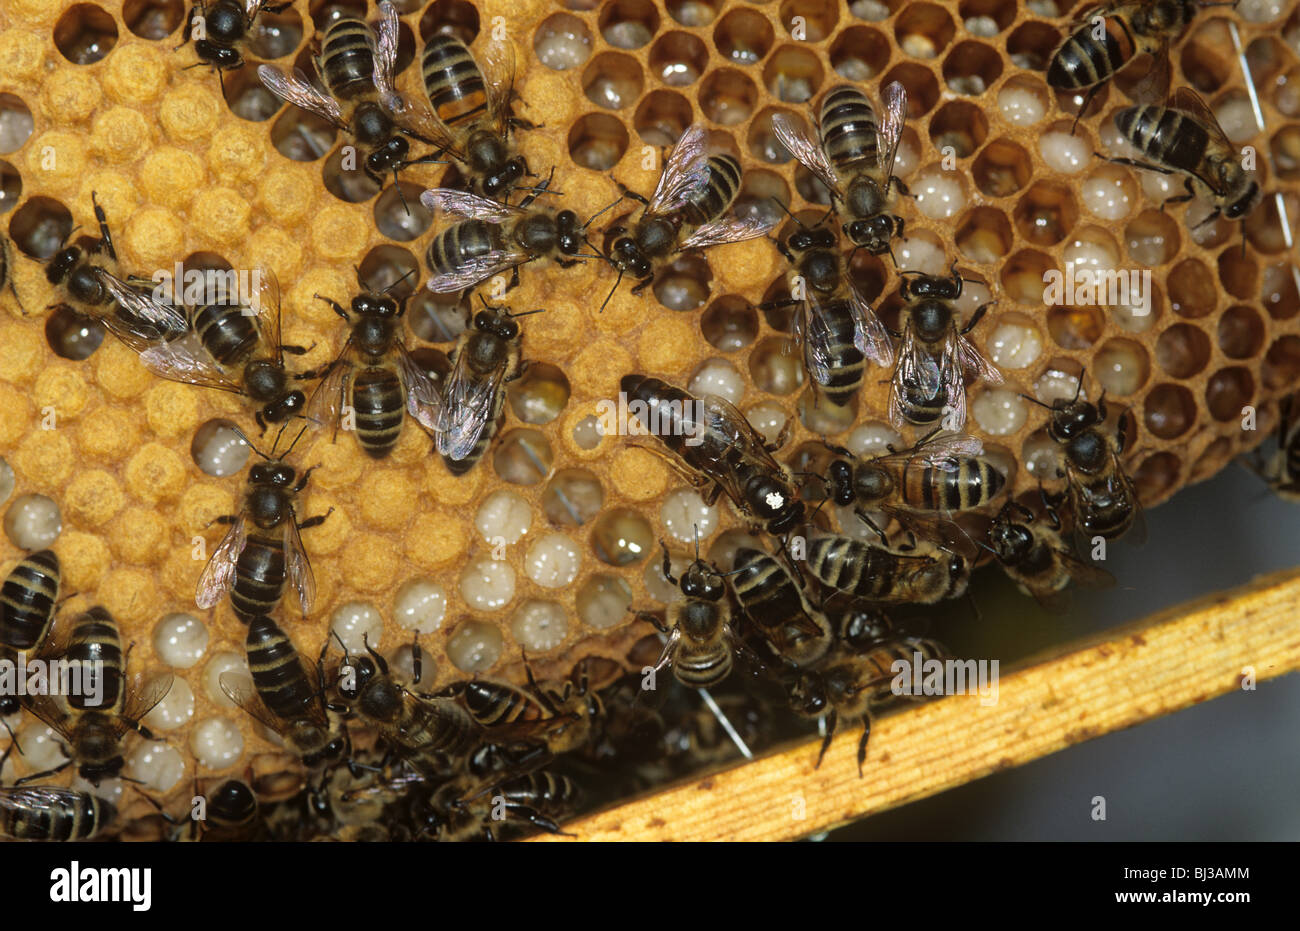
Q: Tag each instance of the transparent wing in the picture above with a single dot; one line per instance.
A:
(954, 386)
(1153, 88)
(386, 37)
(298, 566)
(869, 334)
(744, 445)
(686, 170)
(1188, 101)
(423, 400)
(499, 81)
(472, 271)
(264, 303)
(916, 367)
(143, 695)
(973, 361)
(219, 574)
(239, 688)
(142, 304)
(465, 206)
(468, 403)
(889, 127)
(817, 340)
(807, 152)
(185, 360)
(940, 451)
(52, 712)
(1085, 574)
(326, 401)
(297, 91)
(254, 7)
(24, 799)
(728, 229)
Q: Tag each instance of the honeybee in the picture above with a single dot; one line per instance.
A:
(470, 120)
(427, 732)
(492, 237)
(373, 375)
(929, 382)
(687, 211)
(283, 696)
(353, 75)
(52, 813)
(835, 327)
(1282, 471)
(1186, 137)
(925, 574)
(89, 284)
(226, 25)
(537, 799)
(855, 160)
(718, 446)
(852, 684)
(775, 602)
(263, 548)
(235, 346)
(93, 723)
(941, 473)
(233, 814)
(1103, 499)
(467, 413)
(1034, 555)
(27, 601)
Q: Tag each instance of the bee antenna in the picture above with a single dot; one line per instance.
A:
(787, 211)
(617, 282)
(610, 206)
(1035, 401)
(295, 440)
(343, 646)
(251, 445)
(398, 281)
(697, 541)
(526, 313)
(400, 196)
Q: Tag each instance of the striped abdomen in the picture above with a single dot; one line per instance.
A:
(848, 127)
(847, 362)
(27, 600)
(712, 199)
(971, 484)
(278, 673)
(346, 63)
(670, 415)
(259, 576)
(228, 334)
(97, 645)
(540, 790)
(1167, 137)
(852, 566)
(1082, 61)
(452, 79)
(879, 672)
(52, 813)
(917, 409)
(454, 246)
(461, 466)
(493, 704)
(436, 725)
(379, 402)
(702, 669)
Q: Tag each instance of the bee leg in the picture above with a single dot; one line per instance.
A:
(315, 521)
(1184, 198)
(871, 525)
(651, 619)
(975, 317)
(45, 775)
(417, 660)
(642, 284)
(223, 519)
(1134, 163)
(537, 690)
(1083, 107)
(831, 720)
(862, 744)
(627, 192)
(105, 238)
(537, 819)
(276, 8)
(667, 564)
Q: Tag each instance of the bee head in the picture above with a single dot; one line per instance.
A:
(498, 325)
(840, 475)
(64, 261)
(1011, 541)
(808, 695)
(569, 235)
(702, 581)
(872, 234)
(274, 474)
(376, 305)
(860, 627)
(1247, 195)
(627, 256)
(772, 504)
(222, 57)
(1071, 418)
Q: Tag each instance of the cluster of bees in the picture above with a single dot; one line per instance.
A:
(477, 757)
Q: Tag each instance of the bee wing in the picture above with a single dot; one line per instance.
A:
(807, 152)
(1086, 574)
(219, 574)
(423, 400)
(889, 127)
(972, 360)
(23, 799)
(185, 360)
(869, 334)
(917, 367)
(686, 170)
(327, 400)
(385, 54)
(253, 7)
(264, 305)
(944, 447)
(143, 305)
(467, 404)
(471, 271)
(1188, 101)
(297, 91)
(52, 712)
(1153, 88)
(498, 70)
(722, 417)
(954, 386)
(143, 696)
(815, 336)
(727, 229)
(239, 688)
(466, 206)
(298, 566)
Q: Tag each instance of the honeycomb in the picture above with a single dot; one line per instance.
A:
(93, 98)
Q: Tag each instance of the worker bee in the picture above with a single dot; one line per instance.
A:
(1103, 498)
(226, 27)
(716, 444)
(538, 799)
(27, 600)
(89, 283)
(470, 119)
(835, 327)
(923, 573)
(491, 238)
(941, 473)
(426, 732)
(52, 813)
(373, 375)
(1034, 555)
(287, 698)
(929, 383)
(1186, 137)
(263, 548)
(776, 604)
(353, 75)
(232, 814)
(235, 346)
(687, 211)
(852, 684)
(93, 721)
(855, 160)
(467, 413)
(1282, 469)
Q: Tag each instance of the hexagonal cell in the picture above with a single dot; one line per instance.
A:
(1075, 327)
(986, 18)
(457, 18)
(1280, 291)
(761, 140)
(1022, 276)
(523, 457)
(72, 335)
(728, 96)
(1238, 273)
(1046, 213)
(922, 88)
(923, 30)
(1264, 230)
(1030, 46)
(678, 59)
(775, 366)
(475, 646)
(539, 395)
(759, 190)
(613, 80)
(1213, 458)
(437, 318)
(961, 125)
(1002, 168)
(809, 20)
(1228, 391)
(572, 497)
(1169, 411)
(85, 33)
(390, 268)
(153, 19)
(684, 283)
(1241, 332)
(1285, 149)
(998, 411)
(1286, 93)
(297, 134)
(219, 448)
(1015, 342)
(1183, 350)
(1281, 365)
(859, 53)
(730, 323)
(1109, 192)
(984, 235)
(16, 123)
(1152, 238)
(1157, 475)
(401, 216)
(621, 536)
(971, 68)
(693, 12)
(1023, 101)
(597, 141)
(1065, 151)
(662, 117)
(628, 24)
(793, 74)
(40, 227)
(11, 186)
(717, 377)
(1121, 366)
(1191, 289)
(744, 36)
(603, 601)
(562, 42)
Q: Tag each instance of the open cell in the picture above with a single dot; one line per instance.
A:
(678, 59)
